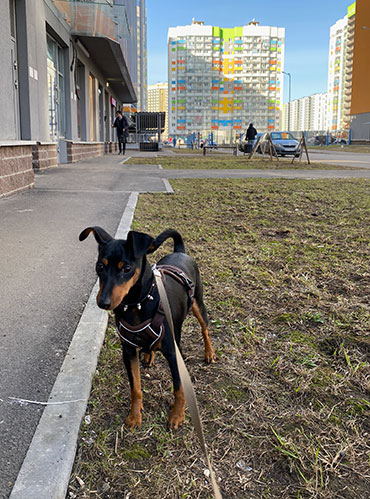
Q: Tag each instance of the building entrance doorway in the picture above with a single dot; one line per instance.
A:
(56, 90)
(92, 98)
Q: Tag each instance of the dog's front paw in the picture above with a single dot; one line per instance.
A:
(176, 419)
(133, 419)
(148, 359)
(209, 355)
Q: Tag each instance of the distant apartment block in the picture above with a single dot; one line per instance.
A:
(306, 114)
(158, 101)
(221, 79)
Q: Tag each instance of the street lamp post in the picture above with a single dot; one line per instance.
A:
(290, 96)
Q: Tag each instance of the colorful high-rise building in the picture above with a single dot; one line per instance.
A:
(157, 101)
(222, 79)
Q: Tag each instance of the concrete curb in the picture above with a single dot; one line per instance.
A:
(46, 469)
(168, 186)
(124, 161)
(166, 183)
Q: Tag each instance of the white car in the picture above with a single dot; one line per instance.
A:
(284, 142)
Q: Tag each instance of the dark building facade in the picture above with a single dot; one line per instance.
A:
(67, 66)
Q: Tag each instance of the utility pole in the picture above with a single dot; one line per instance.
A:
(290, 97)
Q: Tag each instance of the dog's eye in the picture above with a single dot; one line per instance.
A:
(99, 267)
(126, 268)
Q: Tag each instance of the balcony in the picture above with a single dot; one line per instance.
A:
(102, 27)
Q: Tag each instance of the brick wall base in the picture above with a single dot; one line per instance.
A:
(110, 147)
(76, 151)
(44, 156)
(16, 172)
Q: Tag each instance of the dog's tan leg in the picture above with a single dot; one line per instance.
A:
(209, 353)
(177, 415)
(135, 417)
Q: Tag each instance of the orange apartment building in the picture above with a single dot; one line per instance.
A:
(360, 95)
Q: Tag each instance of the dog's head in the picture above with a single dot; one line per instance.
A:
(119, 264)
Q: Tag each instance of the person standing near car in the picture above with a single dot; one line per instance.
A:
(121, 124)
(251, 133)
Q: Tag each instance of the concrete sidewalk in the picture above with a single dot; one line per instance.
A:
(47, 278)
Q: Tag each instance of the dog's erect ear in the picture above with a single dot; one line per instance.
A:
(139, 243)
(100, 235)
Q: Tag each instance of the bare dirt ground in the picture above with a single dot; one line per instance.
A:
(285, 265)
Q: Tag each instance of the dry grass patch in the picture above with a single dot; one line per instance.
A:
(285, 265)
(213, 161)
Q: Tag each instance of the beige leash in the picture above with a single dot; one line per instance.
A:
(186, 382)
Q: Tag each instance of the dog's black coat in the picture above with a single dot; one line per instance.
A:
(126, 279)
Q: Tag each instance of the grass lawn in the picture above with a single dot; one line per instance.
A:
(184, 150)
(286, 407)
(218, 161)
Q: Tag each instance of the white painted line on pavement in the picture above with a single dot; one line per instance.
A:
(46, 469)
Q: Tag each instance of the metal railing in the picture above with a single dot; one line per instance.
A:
(325, 138)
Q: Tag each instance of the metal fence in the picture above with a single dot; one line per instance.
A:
(145, 130)
(323, 137)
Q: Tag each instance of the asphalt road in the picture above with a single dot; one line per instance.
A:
(340, 158)
(237, 173)
(46, 278)
(322, 155)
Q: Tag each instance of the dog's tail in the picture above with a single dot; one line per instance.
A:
(178, 243)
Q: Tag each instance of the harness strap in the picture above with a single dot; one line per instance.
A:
(145, 335)
(180, 276)
(148, 334)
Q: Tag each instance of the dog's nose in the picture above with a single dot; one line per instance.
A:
(104, 304)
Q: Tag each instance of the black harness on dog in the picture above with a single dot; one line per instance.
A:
(148, 335)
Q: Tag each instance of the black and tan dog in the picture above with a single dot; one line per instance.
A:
(127, 287)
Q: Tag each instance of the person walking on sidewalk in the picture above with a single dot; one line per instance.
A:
(121, 124)
(251, 134)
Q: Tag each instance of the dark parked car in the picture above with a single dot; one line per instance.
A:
(244, 143)
(284, 142)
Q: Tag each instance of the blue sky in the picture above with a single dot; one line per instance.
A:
(307, 24)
